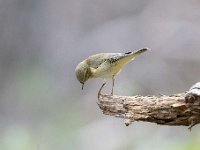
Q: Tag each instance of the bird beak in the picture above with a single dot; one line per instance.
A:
(82, 86)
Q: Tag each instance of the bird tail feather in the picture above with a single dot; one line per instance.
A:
(128, 57)
(135, 53)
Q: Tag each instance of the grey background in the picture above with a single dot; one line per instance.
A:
(42, 106)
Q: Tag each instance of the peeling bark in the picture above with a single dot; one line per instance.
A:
(175, 110)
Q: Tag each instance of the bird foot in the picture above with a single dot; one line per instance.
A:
(111, 94)
(99, 93)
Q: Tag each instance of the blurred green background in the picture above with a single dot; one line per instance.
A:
(42, 106)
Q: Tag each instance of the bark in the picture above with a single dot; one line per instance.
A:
(175, 110)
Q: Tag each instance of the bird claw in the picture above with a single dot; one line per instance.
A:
(99, 93)
(111, 93)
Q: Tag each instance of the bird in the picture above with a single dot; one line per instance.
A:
(104, 65)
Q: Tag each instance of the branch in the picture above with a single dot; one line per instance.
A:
(175, 110)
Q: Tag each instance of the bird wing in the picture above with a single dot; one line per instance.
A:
(97, 60)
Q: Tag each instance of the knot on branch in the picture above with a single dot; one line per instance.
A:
(193, 95)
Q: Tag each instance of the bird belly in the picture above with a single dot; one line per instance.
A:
(106, 72)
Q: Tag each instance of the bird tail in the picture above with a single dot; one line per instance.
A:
(128, 57)
(135, 53)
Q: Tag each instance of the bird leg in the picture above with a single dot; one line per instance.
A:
(113, 84)
(99, 93)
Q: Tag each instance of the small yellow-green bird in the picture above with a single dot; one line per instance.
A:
(104, 65)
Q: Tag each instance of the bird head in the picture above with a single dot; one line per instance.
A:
(83, 72)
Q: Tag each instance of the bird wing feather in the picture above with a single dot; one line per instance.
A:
(97, 60)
